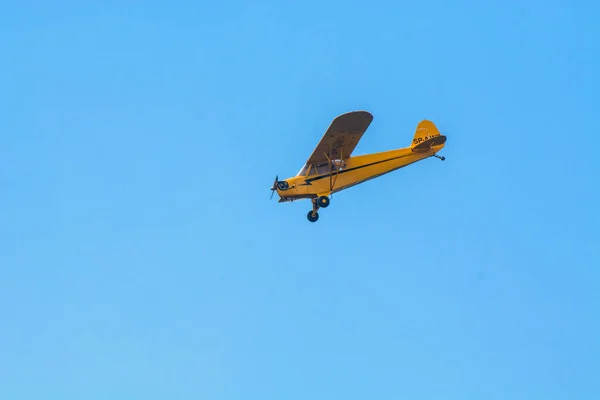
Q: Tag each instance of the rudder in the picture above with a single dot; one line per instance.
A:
(426, 136)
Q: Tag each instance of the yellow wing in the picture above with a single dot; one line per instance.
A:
(341, 138)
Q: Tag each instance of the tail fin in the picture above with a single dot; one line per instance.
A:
(427, 135)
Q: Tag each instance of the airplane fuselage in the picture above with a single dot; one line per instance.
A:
(315, 181)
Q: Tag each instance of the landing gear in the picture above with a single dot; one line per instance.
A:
(323, 201)
(440, 157)
(312, 216)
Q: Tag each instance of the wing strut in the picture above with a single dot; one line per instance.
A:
(330, 162)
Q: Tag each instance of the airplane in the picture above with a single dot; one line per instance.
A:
(332, 168)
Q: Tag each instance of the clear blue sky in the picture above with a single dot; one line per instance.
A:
(141, 258)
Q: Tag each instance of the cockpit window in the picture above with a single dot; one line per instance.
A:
(321, 169)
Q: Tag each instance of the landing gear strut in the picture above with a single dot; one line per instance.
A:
(440, 157)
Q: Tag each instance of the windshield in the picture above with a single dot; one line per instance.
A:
(302, 171)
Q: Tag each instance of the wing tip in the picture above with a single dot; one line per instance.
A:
(358, 112)
(356, 115)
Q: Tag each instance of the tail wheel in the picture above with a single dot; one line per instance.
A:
(311, 217)
(323, 201)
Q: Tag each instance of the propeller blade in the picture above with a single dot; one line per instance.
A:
(273, 188)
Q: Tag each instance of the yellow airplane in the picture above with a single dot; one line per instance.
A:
(332, 168)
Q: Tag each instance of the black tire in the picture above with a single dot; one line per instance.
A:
(323, 201)
(311, 218)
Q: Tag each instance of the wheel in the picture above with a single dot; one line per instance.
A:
(323, 201)
(311, 218)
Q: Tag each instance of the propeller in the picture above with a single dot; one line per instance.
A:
(274, 188)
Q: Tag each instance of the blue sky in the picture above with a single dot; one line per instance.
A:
(141, 258)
